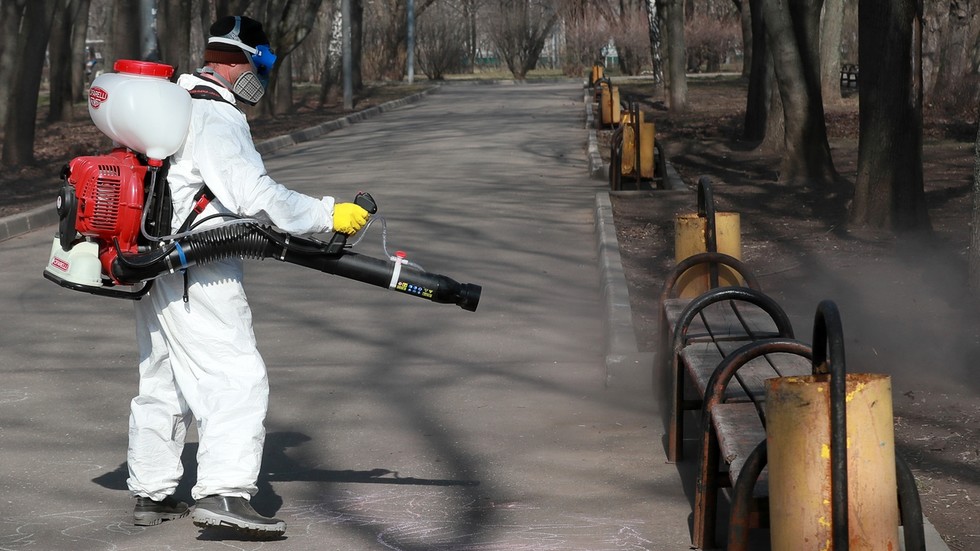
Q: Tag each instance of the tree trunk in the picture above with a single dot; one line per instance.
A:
(792, 30)
(975, 226)
(775, 134)
(60, 59)
(79, 33)
(174, 33)
(889, 192)
(66, 53)
(19, 126)
(760, 81)
(653, 20)
(331, 64)
(676, 56)
(287, 24)
(831, 25)
(746, 16)
(470, 16)
(518, 31)
(943, 55)
(124, 36)
(11, 14)
(282, 91)
(356, 43)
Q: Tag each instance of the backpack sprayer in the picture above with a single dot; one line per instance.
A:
(112, 209)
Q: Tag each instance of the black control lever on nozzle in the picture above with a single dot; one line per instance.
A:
(339, 240)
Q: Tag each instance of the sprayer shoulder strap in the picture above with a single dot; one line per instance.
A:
(201, 200)
(206, 92)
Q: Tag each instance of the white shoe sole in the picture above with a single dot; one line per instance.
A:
(204, 518)
(153, 519)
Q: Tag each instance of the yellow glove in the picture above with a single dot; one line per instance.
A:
(348, 217)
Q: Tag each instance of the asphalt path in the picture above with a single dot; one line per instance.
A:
(395, 423)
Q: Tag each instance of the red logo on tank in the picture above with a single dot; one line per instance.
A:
(96, 96)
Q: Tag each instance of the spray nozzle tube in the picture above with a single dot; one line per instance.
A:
(258, 242)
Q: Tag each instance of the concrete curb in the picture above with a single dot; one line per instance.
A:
(597, 169)
(28, 221)
(626, 366)
(41, 217)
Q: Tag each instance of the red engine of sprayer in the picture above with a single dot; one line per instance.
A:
(108, 199)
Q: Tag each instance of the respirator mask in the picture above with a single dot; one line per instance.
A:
(250, 85)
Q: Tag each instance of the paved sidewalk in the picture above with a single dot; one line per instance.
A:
(394, 423)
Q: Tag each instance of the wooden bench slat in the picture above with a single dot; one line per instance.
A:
(723, 323)
(701, 359)
(755, 373)
(739, 431)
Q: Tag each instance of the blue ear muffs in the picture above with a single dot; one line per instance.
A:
(263, 59)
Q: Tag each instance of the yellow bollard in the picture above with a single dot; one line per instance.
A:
(630, 143)
(610, 105)
(647, 131)
(690, 239)
(600, 87)
(627, 160)
(798, 440)
(597, 73)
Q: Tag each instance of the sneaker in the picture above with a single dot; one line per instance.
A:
(150, 513)
(236, 513)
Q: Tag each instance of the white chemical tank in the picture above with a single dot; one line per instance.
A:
(138, 107)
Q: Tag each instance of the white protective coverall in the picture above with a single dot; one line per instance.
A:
(198, 358)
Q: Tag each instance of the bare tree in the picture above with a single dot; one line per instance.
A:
(469, 17)
(330, 37)
(441, 41)
(586, 33)
(174, 33)
(388, 34)
(889, 192)
(831, 25)
(79, 52)
(66, 54)
(792, 30)
(124, 35)
(764, 120)
(760, 76)
(676, 56)
(11, 14)
(745, 17)
(62, 58)
(287, 23)
(518, 30)
(951, 55)
(632, 38)
(654, 20)
(710, 41)
(20, 123)
(357, 43)
(974, 276)
(309, 57)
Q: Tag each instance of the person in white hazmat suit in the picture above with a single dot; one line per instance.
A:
(198, 356)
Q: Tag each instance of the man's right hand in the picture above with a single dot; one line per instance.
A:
(348, 218)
